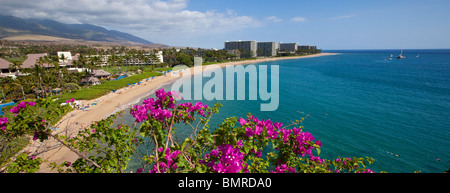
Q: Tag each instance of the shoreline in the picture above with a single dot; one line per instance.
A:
(109, 104)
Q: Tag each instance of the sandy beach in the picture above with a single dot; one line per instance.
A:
(106, 105)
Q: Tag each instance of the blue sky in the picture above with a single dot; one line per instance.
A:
(329, 24)
(345, 24)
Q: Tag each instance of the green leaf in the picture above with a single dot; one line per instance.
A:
(142, 133)
(185, 142)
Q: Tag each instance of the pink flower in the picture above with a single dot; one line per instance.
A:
(242, 121)
(285, 134)
(283, 168)
(20, 106)
(277, 125)
(35, 136)
(3, 122)
(230, 159)
(249, 132)
(139, 112)
(140, 170)
(258, 153)
(368, 171)
(315, 159)
(259, 128)
(170, 161)
(318, 143)
(239, 143)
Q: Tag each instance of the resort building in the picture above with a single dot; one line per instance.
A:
(247, 48)
(66, 55)
(90, 80)
(148, 59)
(33, 59)
(306, 47)
(267, 49)
(68, 58)
(160, 57)
(288, 47)
(4, 67)
(100, 74)
(102, 60)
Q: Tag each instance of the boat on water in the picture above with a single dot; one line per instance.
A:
(390, 57)
(401, 56)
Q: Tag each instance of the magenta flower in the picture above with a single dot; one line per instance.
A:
(20, 106)
(249, 132)
(139, 112)
(165, 99)
(140, 170)
(277, 125)
(170, 161)
(258, 153)
(315, 159)
(239, 143)
(35, 136)
(280, 169)
(3, 123)
(230, 159)
(242, 121)
(259, 128)
(285, 134)
(283, 168)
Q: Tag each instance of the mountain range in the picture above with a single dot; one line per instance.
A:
(11, 26)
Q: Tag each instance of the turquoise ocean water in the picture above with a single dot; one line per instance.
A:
(360, 104)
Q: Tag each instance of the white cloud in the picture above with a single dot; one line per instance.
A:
(156, 20)
(298, 19)
(274, 19)
(342, 17)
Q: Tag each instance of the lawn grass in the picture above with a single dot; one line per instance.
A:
(93, 92)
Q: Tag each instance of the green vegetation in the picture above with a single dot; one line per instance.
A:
(96, 91)
(43, 110)
(116, 69)
(19, 59)
(234, 146)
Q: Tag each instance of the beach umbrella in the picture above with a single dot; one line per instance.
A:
(128, 84)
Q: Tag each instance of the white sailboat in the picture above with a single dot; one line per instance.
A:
(401, 55)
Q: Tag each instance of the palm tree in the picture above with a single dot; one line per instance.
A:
(38, 71)
(82, 60)
(112, 60)
(95, 62)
